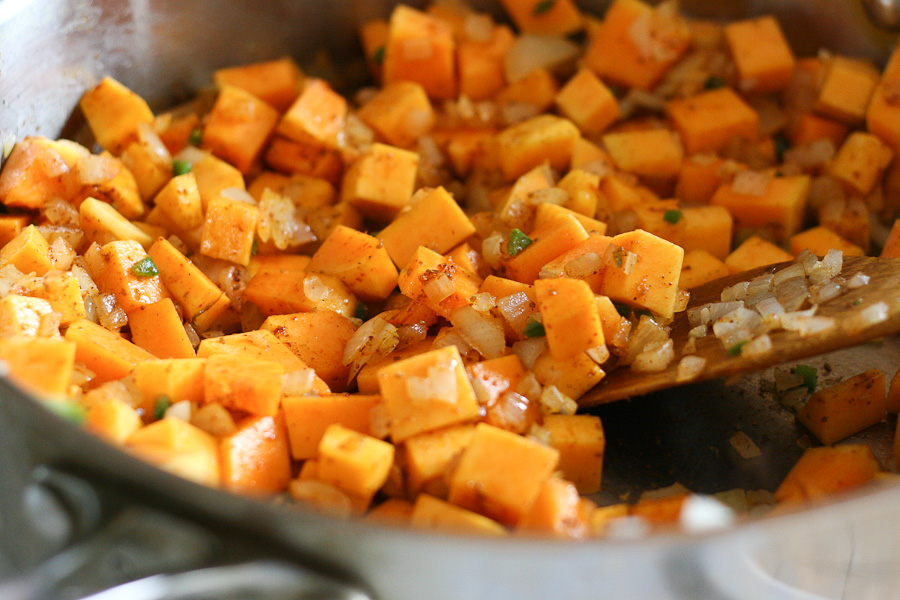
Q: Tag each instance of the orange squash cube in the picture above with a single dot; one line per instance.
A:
(29, 252)
(544, 138)
(708, 120)
(635, 44)
(764, 60)
(434, 220)
(113, 113)
(827, 470)
(781, 206)
(860, 162)
(433, 514)
(706, 228)
(480, 64)
(581, 445)
(180, 448)
(420, 48)
(819, 240)
(40, 366)
(424, 267)
(107, 354)
(847, 87)
(569, 315)
(699, 267)
(549, 241)
(174, 378)
(279, 293)
(587, 101)
(316, 116)
(111, 419)
(654, 153)
(380, 182)
(353, 462)
(304, 158)
(755, 252)
(557, 511)
(426, 392)
(359, 260)
(228, 230)
(500, 474)
(256, 458)
(572, 376)
(318, 338)
(845, 408)
(238, 126)
(560, 17)
(400, 113)
(307, 418)
(124, 272)
(242, 383)
(431, 456)
(275, 82)
(158, 328)
(26, 181)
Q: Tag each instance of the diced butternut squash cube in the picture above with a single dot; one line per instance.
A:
(636, 44)
(572, 376)
(583, 188)
(113, 113)
(256, 459)
(846, 90)
(11, 225)
(307, 418)
(228, 230)
(41, 366)
(654, 153)
(699, 267)
(213, 175)
(303, 190)
(433, 514)
(125, 270)
(549, 241)
(317, 115)
(434, 220)
(111, 419)
(426, 392)
(525, 145)
(61, 290)
(699, 178)
(174, 378)
(180, 448)
(860, 162)
(158, 328)
(883, 112)
(242, 383)
(106, 353)
(693, 228)
(400, 113)
(203, 302)
(318, 338)
(374, 34)
(755, 252)
(279, 293)
(381, 181)
(652, 282)
(180, 200)
(764, 60)
(569, 315)
(359, 260)
(437, 282)
(547, 211)
(500, 474)
(150, 167)
(308, 158)
(538, 89)
(819, 240)
(581, 445)
(781, 206)
(238, 126)
(432, 455)
(420, 48)
(29, 252)
(535, 16)
(708, 120)
(809, 127)
(355, 463)
(120, 190)
(556, 511)
(102, 223)
(584, 261)
(275, 82)
(34, 173)
(587, 101)
(845, 408)
(824, 471)
(480, 64)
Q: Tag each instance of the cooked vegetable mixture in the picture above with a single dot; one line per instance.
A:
(389, 304)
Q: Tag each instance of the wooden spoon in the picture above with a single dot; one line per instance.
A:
(787, 346)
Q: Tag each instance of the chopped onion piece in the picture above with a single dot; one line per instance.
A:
(647, 333)
(516, 309)
(553, 401)
(535, 51)
(698, 332)
(375, 337)
(786, 273)
(529, 387)
(179, 410)
(700, 514)
(529, 350)
(737, 320)
(598, 354)
(751, 183)
(830, 266)
(709, 313)
(824, 292)
(95, 169)
(238, 194)
(792, 294)
(483, 302)
(482, 330)
(656, 357)
(191, 154)
(807, 260)
(735, 292)
(315, 289)
(759, 345)
(583, 266)
(770, 309)
(745, 446)
(690, 367)
(682, 298)
(858, 280)
(438, 288)
(806, 325)
(868, 316)
(491, 249)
